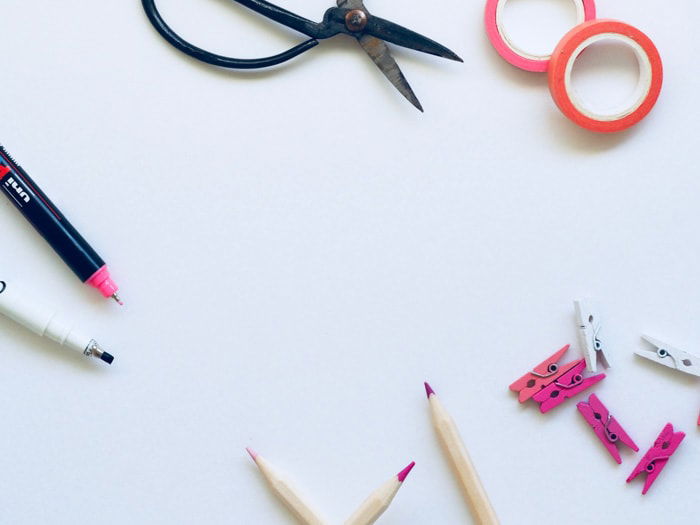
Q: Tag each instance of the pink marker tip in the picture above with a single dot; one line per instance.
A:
(252, 453)
(428, 390)
(404, 473)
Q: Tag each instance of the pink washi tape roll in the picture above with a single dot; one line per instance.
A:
(570, 48)
(585, 10)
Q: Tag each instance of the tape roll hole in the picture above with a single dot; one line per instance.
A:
(520, 23)
(608, 77)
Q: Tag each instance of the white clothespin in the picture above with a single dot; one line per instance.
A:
(589, 327)
(671, 357)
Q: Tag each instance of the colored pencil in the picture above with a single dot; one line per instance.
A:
(285, 492)
(375, 505)
(452, 444)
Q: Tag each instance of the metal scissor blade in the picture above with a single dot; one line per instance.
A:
(403, 37)
(380, 54)
(350, 4)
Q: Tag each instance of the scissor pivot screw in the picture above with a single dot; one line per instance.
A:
(356, 20)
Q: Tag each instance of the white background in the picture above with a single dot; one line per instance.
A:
(300, 249)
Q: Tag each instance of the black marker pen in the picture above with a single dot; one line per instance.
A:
(54, 227)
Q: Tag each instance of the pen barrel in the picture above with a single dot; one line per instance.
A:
(46, 219)
(31, 313)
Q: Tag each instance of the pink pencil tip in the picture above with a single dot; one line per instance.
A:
(428, 390)
(404, 473)
(252, 453)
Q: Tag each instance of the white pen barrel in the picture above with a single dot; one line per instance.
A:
(15, 304)
(18, 305)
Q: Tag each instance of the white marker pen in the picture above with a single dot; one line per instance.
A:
(24, 309)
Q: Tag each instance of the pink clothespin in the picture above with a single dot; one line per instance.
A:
(605, 426)
(566, 387)
(541, 376)
(658, 455)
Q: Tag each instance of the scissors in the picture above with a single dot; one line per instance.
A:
(349, 18)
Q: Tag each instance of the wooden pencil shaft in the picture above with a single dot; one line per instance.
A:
(461, 463)
(286, 493)
(376, 504)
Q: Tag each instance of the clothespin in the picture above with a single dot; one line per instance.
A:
(671, 357)
(588, 335)
(658, 455)
(605, 426)
(567, 386)
(542, 375)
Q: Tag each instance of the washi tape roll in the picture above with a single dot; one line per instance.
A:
(571, 47)
(585, 10)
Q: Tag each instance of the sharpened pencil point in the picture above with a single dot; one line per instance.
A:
(428, 390)
(252, 453)
(404, 473)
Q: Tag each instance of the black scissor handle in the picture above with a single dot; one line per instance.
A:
(218, 60)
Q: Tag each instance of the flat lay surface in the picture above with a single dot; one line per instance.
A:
(299, 249)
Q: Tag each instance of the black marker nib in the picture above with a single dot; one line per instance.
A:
(107, 357)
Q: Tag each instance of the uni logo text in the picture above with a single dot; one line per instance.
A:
(11, 183)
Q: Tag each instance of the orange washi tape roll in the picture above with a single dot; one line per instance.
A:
(571, 47)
